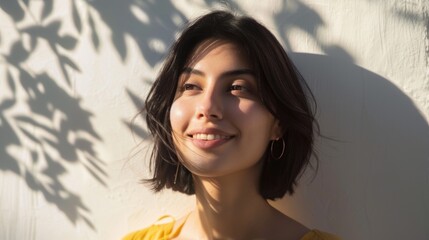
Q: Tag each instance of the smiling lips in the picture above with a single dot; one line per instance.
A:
(209, 140)
(208, 137)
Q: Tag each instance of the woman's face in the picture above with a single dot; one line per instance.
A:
(219, 125)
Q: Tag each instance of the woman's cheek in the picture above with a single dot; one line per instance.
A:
(178, 115)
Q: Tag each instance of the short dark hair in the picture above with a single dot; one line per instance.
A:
(282, 90)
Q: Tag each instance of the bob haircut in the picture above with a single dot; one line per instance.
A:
(281, 89)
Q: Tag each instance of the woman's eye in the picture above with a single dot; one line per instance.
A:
(237, 88)
(189, 86)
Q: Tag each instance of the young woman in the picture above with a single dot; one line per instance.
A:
(232, 123)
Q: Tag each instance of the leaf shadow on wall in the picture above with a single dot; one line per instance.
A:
(306, 19)
(44, 128)
(152, 24)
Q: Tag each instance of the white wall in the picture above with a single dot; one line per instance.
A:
(74, 73)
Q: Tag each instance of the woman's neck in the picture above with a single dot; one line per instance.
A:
(231, 206)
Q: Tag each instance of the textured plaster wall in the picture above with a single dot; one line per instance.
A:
(74, 73)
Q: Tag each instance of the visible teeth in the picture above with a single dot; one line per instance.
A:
(203, 136)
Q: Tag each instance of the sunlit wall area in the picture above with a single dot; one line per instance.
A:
(73, 148)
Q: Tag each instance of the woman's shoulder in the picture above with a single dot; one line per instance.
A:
(285, 227)
(319, 235)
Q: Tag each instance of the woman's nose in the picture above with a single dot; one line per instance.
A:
(209, 106)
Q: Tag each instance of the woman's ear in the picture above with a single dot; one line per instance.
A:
(277, 131)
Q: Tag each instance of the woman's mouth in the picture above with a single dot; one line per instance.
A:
(209, 140)
(209, 137)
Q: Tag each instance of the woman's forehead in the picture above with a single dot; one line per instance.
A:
(211, 47)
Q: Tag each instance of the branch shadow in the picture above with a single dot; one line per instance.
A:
(135, 127)
(152, 24)
(44, 128)
(306, 19)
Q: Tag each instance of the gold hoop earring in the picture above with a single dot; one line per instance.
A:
(283, 149)
(177, 173)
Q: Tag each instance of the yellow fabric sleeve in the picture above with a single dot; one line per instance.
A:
(156, 231)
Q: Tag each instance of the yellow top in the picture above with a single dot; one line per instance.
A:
(165, 231)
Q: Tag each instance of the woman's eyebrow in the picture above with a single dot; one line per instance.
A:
(236, 72)
(189, 70)
(231, 73)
